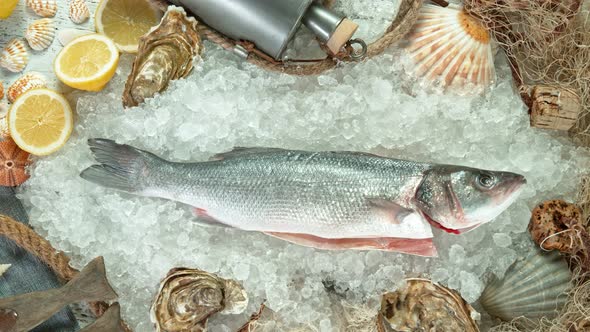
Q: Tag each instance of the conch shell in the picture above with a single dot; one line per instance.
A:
(425, 306)
(188, 297)
(165, 53)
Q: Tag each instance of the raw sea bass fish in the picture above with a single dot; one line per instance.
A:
(327, 200)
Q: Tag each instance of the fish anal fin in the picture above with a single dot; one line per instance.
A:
(419, 247)
(204, 219)
(243, 152)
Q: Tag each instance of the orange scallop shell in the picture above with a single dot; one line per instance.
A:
(13, 161)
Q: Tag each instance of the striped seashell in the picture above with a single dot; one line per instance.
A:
(451, 48)
(4, 132)
(45, 8)
(14, 56)
(40, 34)
(28, 81)
(1, 90)
(79, 11)
(533, 287)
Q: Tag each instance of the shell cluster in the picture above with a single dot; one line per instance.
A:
(45, 8)
(425, 306)
(40, 34)
(451, 48)
(14, 56)
(28, 81)
(165, 53)
(533, 287)
(188, 297)
(79, 11)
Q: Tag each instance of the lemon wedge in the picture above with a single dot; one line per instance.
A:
(124, 21)
(87, 62)
(6, 8)
(40, 121)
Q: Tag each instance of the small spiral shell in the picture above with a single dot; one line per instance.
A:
(14, 56)
(45, 8)
(40, 34)
(28, 81)
(188, 297)
(79, 11)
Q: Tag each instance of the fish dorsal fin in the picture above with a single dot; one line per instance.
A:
(238, 152)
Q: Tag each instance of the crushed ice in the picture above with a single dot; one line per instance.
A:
(371, 106)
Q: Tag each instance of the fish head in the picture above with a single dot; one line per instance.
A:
(459, 199)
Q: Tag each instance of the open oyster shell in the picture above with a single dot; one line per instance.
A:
(165, 53)
(188, 297)
(425, 306)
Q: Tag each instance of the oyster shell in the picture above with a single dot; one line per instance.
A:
(165, 53)
(425, 306)
(533, 287)
(188, 297)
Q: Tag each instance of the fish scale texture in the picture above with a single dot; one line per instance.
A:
(373, 106)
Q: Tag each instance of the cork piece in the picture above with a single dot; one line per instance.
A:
(554, 108)
(341, 35)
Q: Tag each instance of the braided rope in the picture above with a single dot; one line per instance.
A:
(401, 25)
(26, 238)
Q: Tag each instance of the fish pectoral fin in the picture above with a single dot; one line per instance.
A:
(392, 212)
(204, 219)
(421, 247)
(242, 152)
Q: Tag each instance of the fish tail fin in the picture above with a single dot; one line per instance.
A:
(122, 167)
(91, 284)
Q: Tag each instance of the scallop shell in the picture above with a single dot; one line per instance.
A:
(451, 48)
(40, 34)
(45, 8)
(425, 306)
(29, 81)
(533, 287)
(79, 11)
(4, 132)
(14, 56)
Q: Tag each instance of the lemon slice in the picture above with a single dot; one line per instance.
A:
(6, 7)
(87, 62)
(124, 21)
(40, 121)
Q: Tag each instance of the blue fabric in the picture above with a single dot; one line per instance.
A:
(27, 273)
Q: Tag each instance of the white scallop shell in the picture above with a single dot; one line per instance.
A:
(79, 11)
(534, 287)
(4, 132)
(65, 36)
(14, 56)
(28, 81)
(45, 8)
(40, 34)
(451, 48)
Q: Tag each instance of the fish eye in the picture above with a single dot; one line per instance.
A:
(485, 181)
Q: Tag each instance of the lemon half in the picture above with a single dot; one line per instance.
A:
(124, 21)
(87, 62)
(40, 121)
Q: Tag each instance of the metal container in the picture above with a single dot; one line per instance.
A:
(269, 24)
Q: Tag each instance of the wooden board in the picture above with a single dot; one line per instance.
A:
(39, 61)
